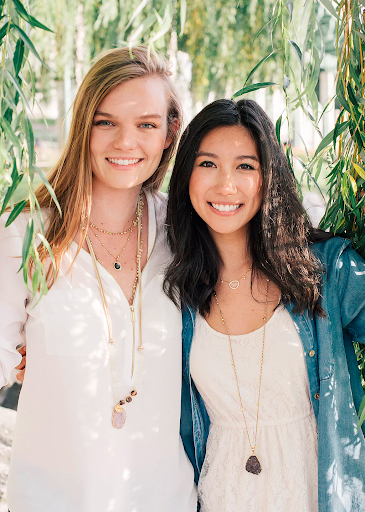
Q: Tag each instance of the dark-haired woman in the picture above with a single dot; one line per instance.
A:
(271, 307)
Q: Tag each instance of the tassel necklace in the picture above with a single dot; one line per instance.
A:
(253, 464)
(119, 414)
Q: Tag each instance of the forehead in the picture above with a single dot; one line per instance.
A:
(138, 96)
(229, 138)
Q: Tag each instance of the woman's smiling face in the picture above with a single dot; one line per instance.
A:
(130, 132)
(226, 183)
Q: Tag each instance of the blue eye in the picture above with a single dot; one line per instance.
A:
(207, 163)
(148, 125)
(103, 122)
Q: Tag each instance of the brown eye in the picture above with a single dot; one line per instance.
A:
(246, 167)
(207, 163)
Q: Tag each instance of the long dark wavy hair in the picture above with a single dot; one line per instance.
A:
(280, 234)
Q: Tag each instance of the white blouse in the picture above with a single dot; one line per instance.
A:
(67, 457)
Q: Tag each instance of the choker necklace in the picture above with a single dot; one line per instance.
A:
(129, 230)
(234, 284)
(119, 415)
(253, 464)
(116, 265)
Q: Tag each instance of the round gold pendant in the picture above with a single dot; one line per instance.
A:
(117, 266)
(234, 284)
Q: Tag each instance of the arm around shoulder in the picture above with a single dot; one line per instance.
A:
(13, 297)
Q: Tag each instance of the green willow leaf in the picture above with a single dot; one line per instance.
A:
(360, 170)
(27, 17)
(361, 414)
(138, 10)
(278, 128)
(18, 88)
(259, 64)
(28, 237)
(328, 139)
(28, 43)
(16, 179)
(29, 137)
(48, 247)
(15, 212)
(330, 8)
(251, 88)
(297, 50)
(352, 94)
(9, 132)
(4, 30)
(49, 188)
(341, 95)
(18, 56)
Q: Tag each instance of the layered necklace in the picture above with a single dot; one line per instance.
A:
(253, 464)
(119, 414)
(234, 284)
(116, 265)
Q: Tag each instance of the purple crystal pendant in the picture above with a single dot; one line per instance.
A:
(119, 416)
(253, 465)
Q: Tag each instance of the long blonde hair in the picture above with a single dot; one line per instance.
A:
(71, 179)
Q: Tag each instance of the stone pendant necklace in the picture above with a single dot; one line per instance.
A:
(116, 265)
(119, 414)
(253, 464)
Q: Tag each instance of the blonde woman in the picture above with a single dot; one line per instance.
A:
(98, 416)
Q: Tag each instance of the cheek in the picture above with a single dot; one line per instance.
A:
(196, 189)
(253, 187)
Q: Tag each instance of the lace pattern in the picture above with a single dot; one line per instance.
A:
(287, 433)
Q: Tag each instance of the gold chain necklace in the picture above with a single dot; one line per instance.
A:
(116, 265)
(119, 415)
(253, 464)
(134, 223)
(234, 284)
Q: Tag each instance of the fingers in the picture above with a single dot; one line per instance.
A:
(22, 350)
(22, 363)
(20, 375)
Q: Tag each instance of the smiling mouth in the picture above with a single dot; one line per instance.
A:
(120, 161)
(225, 207)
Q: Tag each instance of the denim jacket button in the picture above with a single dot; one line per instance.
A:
(311, 353)
(316, 396)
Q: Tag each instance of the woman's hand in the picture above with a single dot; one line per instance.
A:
(20, 375)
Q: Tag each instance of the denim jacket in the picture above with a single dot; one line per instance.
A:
(334, 380)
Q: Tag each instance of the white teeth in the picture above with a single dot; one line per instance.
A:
(123, 162)
(225, 207)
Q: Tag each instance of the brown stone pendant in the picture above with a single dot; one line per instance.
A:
(253, 465)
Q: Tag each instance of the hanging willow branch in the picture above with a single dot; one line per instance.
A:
(17, 150)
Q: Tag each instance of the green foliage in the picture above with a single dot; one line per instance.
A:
(17, 154)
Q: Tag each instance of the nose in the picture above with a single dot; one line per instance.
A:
(225, 183)
(124, 139)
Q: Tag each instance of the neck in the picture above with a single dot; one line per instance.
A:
(113, 209)
(233, 250)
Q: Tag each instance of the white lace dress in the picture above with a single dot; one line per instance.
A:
(287, 434)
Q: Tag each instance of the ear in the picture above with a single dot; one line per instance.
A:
(172, 129)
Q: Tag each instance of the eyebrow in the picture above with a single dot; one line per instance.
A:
(104, 114)
(240, 157)
(145, 116)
